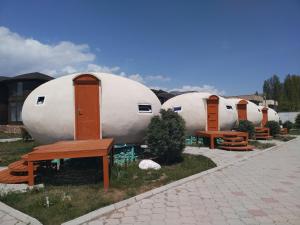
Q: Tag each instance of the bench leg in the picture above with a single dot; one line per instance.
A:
(105, 173)
(212, 142)
(30, 174)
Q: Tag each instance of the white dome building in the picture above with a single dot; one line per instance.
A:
(247, 110)
(269, 114)
(273, 115)
(203, 111)
(90, 106)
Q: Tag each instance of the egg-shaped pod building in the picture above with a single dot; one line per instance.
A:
(273, 115)
(203, 111)
(90, 106)
(269, 114)
(247, 111)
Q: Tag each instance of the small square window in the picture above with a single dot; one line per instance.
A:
(228, 107)
(145, 108)
(40, 100)
(177, 108)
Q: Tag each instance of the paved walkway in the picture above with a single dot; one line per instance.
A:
(264, 190)
(9, 139)
(221, 157)
(10, 216)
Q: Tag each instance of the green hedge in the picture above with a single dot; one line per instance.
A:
(165, 136)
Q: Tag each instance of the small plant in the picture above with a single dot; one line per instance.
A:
(297, 121)
(274, 127)
(288, 124)
(246, 126)
(166, 136)
(25, 135)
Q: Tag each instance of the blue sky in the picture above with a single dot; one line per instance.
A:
(224, 46)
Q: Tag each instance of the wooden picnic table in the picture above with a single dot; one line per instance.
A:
(72, 149)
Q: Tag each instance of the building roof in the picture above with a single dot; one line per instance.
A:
(163, 94)
(28, 76)
(3, 78)
(254, 97)
(33, 76)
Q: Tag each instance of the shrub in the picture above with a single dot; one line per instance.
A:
(165, 136)
(274, 127)
(246, 126)
(25, 135)
(297, 121)
(288, 124)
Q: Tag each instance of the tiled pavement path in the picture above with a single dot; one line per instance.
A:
(221, 157)
(264, 189)
(10, 216)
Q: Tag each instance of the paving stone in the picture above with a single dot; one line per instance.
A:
(263, 189)
(96, 222)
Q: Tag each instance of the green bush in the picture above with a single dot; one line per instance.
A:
(246, 126)
(165, 136)
(297, 121)
(274, 127)
(288, 124)
(25, 135)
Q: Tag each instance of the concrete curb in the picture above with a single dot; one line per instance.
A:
(19, 215)
(108, 209)
(3, 140)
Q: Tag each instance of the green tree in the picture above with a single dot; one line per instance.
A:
(272, 88)
(287, 93)
(166, 136)
(246, 126)
(274, 127)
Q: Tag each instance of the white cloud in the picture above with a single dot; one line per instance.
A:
(69, 69)
(20, 54)
(157, 78)
(104, 69)
(203, 88)
(136, 77)
(145, 79)
(186, 88)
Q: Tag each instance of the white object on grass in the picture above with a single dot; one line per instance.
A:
(149, 164)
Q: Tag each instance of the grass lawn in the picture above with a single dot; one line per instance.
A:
(8, 135)
(260, 145)
(77, 189)
(294, 132)
(284, 138)
(12, 151)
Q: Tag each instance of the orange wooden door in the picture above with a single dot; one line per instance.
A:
(213, 113)
(265, 116)
(87, 116)
(242, 111)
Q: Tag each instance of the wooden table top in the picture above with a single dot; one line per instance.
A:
(75, 145)
(220, 132)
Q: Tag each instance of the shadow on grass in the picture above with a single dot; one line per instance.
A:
(260, 145)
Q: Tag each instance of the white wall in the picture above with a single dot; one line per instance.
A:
(285, 116)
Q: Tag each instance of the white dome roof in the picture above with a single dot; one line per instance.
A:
(119, 112)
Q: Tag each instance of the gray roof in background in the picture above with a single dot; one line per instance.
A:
(27, 76)
(253, 97)
(3, 78)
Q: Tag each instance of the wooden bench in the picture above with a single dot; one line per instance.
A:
(220, 134)
(72, 149)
